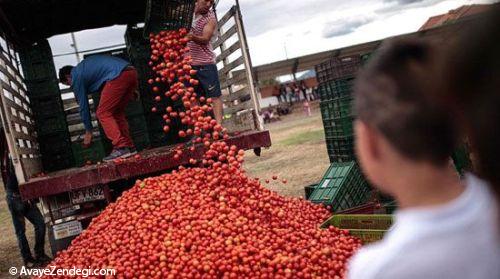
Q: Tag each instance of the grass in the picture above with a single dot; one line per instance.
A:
(298, 153)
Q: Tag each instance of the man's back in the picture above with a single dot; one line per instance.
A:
(95, 70)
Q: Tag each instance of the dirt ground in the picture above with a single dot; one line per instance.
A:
(298, 153)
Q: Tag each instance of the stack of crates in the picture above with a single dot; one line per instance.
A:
(139, 53)
(336, 80)
(45, 97)
(342, 187)
(168, 15)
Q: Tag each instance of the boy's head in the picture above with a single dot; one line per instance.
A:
(396, 124)
(65, 75)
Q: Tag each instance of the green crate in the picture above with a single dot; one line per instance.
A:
(45, 106)
(141, 140)
(43, 88)
(338, 107)
(309, 189)
(57, 161)
(137, 123)
(338, 127)
(47, 146)
(360, 221)
(342, 187)
(340, 149)
(134, 107)
(55, 123)
(37, 52)
(168, 15)
(93, 153)
(37, 62)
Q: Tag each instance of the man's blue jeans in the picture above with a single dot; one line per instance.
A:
(20, 210)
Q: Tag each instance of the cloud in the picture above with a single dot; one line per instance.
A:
(341, 27)
(404, 2)
(396, 6)
(260, 16)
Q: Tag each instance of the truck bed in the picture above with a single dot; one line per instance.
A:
(151, 161)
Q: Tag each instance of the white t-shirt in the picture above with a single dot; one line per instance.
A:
(457, 240)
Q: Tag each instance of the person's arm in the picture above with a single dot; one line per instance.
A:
(208, 32)
(81, 97)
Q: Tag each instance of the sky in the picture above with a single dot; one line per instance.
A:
(280, 29)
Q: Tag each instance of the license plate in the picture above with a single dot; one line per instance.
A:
(67, 229)
(88, 194)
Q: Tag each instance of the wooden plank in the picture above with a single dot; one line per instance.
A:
(22, 135)
(231, 66)
(230, 32)
(238, 107)
(27, 151)
(234, 47)
(238, 95)
(236, 79)
(227, 16)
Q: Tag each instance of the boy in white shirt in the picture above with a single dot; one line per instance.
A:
(445, 227)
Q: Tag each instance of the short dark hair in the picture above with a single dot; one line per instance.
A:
(63, 72)
(473, 90)
(391, 96)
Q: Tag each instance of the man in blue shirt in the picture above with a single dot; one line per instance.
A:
(117, 81)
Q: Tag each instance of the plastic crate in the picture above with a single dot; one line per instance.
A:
(368, 236)
(338, 68)
(342, 187)
(93, 153)
(119, 52)
(338, 88)
(134, 107)
(360, 221)
(43, 88)
(338, 127)
(47, 146)
(44, 106)
(57, 161)
(55, 123)
(309, 189)
(340, 149)
(38, 52)
(39, 70)
(168, 15)
(339, 107)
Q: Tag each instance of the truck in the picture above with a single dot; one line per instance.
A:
(42, 124)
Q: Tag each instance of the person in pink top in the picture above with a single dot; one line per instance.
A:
(203, 32)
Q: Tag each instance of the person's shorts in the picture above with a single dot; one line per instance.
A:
(208, 76)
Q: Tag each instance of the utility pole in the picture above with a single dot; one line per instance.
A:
(73, 39)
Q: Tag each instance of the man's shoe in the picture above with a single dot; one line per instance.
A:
(43, 260)
(30, 262)
(119, 153)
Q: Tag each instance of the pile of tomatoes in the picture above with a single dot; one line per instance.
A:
(210, 221)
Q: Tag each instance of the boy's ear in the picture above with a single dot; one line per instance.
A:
(367, 141)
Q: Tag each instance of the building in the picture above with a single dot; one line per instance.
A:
(454, 15)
